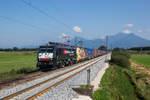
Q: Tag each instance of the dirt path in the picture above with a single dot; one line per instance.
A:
(140, 68)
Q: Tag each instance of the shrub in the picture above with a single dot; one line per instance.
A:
(121, 59)
(123, 53)
(26, 70)
(101, 94)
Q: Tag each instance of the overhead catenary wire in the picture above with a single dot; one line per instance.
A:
(46, 14)
(23, 23)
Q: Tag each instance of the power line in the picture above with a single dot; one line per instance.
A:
(46, 14)
(20, 22)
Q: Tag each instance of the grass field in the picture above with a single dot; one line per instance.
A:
(16, 60)
(115, 85)
(141, 59)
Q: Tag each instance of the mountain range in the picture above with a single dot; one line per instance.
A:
(120, 40)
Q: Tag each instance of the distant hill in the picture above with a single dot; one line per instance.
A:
(95, 43)
(120, 40)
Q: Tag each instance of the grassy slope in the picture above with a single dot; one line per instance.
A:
(141, 83)
(133, 83)
(141, 59)
(115, 86)
(16, 60)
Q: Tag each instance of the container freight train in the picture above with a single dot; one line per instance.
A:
(60, 55)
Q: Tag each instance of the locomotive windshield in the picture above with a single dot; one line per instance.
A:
(48, 50)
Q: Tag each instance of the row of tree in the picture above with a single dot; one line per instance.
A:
(134, 48)
(140, 48)
(18, 49)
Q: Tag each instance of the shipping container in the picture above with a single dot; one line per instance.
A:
(81, 55)
(89, 53)
(95, 53)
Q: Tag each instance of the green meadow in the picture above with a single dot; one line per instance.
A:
(143, 59)
(16, 60)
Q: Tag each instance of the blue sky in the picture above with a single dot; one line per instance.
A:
(90, 18)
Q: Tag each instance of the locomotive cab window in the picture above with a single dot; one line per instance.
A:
(48, 50)
(42, 50)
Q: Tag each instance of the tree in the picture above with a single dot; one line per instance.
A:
(15, 49)
(102, 47)
(116, 49)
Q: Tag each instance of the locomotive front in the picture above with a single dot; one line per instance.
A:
(45, 56)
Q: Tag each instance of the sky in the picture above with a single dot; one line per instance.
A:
(21, 25)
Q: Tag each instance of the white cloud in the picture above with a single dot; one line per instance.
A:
(139, 31)
(127, 31)
(129, 25)
(77, 29)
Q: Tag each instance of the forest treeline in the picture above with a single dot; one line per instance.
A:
(18, 49)
(140, 48)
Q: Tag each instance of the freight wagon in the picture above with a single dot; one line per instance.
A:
(96, 53)
(89, 53)
(81, 55)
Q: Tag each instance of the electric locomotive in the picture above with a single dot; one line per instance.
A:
(55, 55)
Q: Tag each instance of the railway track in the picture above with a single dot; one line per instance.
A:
(32, 76)
(40, 88)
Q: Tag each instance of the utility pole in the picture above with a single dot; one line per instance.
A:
(75, 41)
(81, 43)
(106, 44)
(111, 47)
(106, 48)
